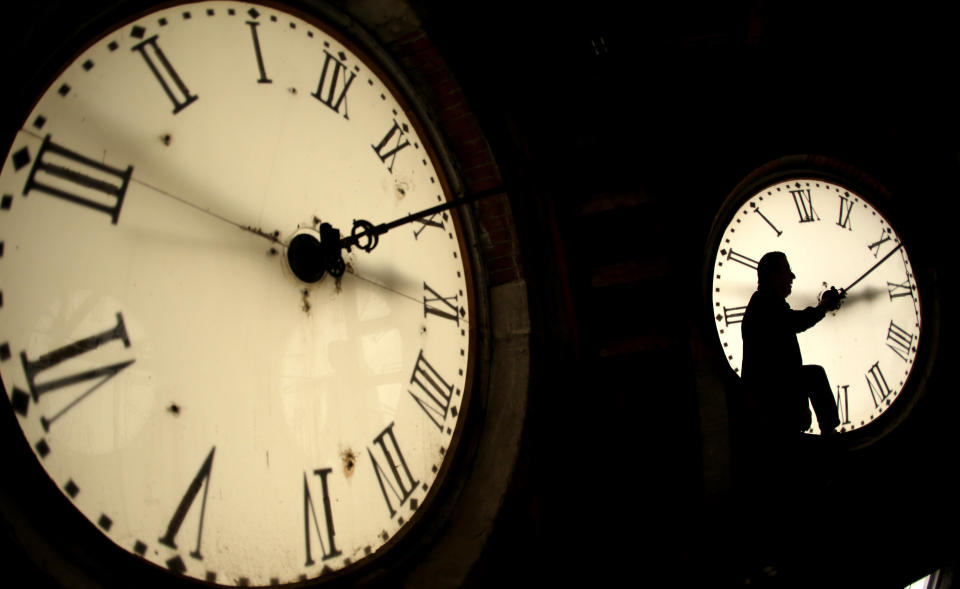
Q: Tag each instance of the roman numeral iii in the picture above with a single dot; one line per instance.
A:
(66, 174)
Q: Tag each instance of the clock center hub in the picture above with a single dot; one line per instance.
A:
(310, 254)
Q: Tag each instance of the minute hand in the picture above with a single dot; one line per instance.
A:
(872, 268)
(370, 233)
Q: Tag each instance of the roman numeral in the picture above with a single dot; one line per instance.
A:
(803, 200)
(309, 510)
(899, 340)
(843, 404)
(335, 80)
(383, 152)
(448, 308)
(436, 393)
(201, 480)
(66, 174)
(896, 290)
(170, 81)
(877, 384)
(732, 315)
(769, 222)
(396, 477)
(428, 222)
(256, 49)
(33, 368)
(740, 259)
(843, 218)
(875, 246)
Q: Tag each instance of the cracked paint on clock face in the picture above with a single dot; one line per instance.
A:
(204, 408)
(831, 236)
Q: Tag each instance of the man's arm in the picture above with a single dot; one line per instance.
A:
(805, 319)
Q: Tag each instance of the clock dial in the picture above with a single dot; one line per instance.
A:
(832, 236)
(206, 409)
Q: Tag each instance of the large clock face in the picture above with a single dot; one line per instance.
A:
(832, 237)
(206, 409)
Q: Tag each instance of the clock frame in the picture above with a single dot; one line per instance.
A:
(730, 275)
(59, 518)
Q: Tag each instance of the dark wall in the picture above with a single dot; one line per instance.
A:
(621, 128)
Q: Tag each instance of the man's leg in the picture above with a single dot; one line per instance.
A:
(818, 389)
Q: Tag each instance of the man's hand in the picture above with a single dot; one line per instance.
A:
(831, 299)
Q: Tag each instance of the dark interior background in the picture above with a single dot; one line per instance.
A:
(621, 128)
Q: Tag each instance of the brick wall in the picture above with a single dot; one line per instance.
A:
(421, 60)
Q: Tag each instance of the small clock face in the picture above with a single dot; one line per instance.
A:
(206, 409)
(832, 236)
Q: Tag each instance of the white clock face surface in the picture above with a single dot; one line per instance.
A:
(831, 236)
(201, 405)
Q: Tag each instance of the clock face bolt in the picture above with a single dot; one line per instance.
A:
(306, 300)
(174, 409)
(167, 139)
(349, 462)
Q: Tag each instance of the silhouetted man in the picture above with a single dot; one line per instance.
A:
(780, 506)
(777, 382)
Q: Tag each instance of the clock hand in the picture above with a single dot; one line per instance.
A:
(844, 291)
(310, 258)
(273, 237)
(832, 298)
(366, 230)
